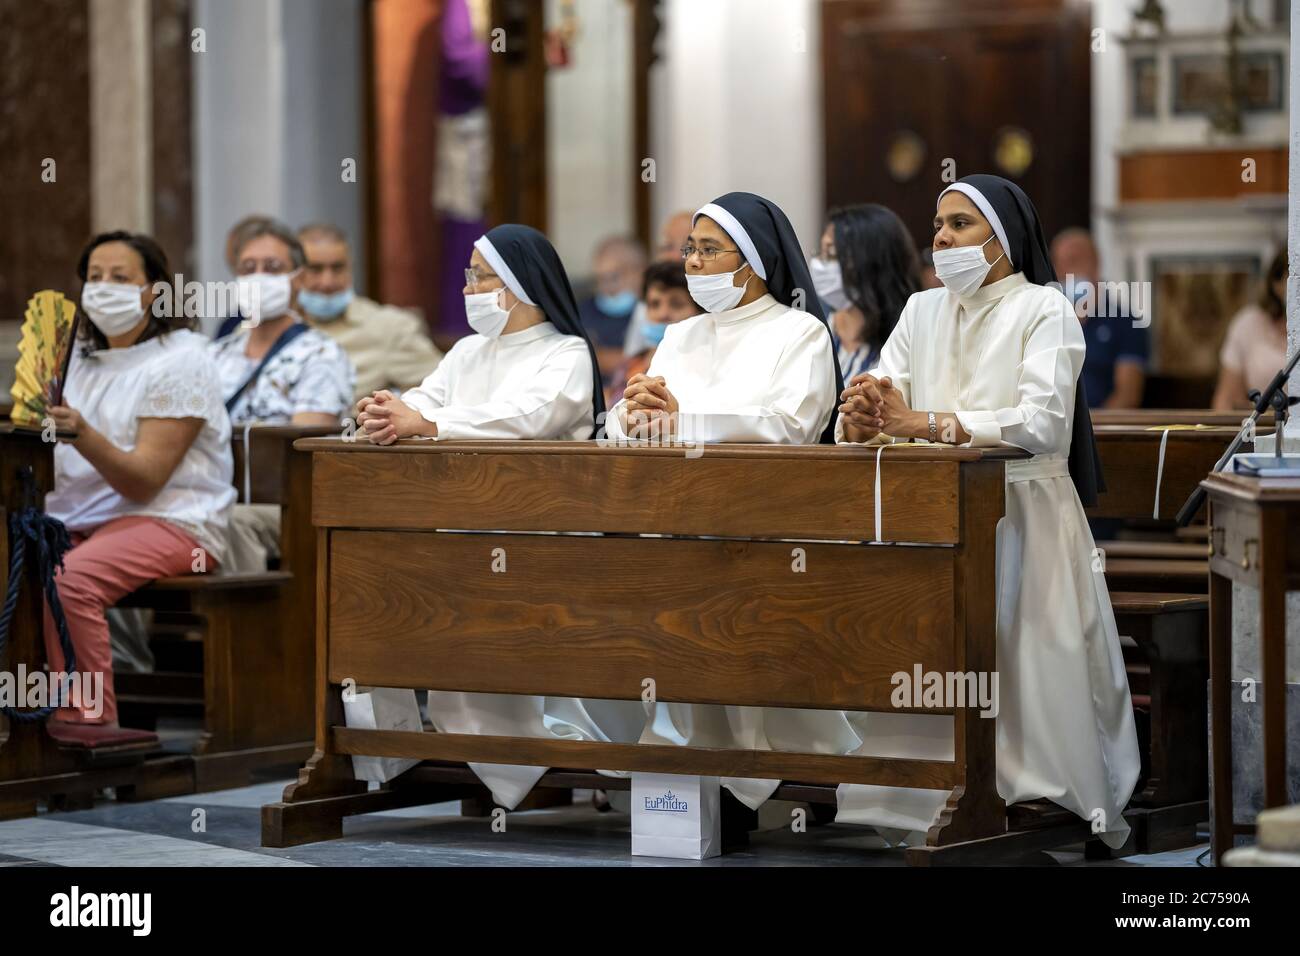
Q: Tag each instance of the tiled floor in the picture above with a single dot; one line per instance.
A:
(224, 829)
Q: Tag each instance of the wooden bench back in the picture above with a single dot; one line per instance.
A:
(719, 613)
(1129, 445)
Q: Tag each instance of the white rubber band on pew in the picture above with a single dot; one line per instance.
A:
(248, 466)
(1160, 471)
(879, 517)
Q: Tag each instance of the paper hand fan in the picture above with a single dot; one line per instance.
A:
(44, 349)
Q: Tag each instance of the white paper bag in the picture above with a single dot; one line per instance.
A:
(381, 708)
(676, 816)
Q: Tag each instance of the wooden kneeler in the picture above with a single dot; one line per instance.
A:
(779, 598)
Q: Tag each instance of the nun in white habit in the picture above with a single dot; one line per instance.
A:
(994, 359)
(529, 372)
(757, 366)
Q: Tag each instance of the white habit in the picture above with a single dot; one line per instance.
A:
(533, 384)
(1006, 359)
(760, 373)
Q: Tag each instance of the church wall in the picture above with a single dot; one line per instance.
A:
(736, 104)
(277, 109)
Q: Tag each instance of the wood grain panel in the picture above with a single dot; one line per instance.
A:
(767, 496)
(1199, 174)
(649, 758)
(1020, 64)
(709, 621)
(1130, 457)
(44, 115)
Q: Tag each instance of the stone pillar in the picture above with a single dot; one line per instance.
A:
(121, 113)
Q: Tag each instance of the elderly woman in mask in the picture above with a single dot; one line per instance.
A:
(528, 372)
(993, 359)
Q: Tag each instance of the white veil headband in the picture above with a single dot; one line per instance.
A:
(986, 209)
(489, 252)
(737, 232)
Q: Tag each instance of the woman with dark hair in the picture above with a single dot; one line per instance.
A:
(1255, 346)
(142, 476)
(867, 270)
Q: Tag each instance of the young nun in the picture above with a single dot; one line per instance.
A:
(529, 373)
(757, 366)
(994, 359)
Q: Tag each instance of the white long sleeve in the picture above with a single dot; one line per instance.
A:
(1040, 420)
(431, 394)
(762, 373)
(528, 385)
(1005, 361)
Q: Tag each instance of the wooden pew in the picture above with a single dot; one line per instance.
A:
(252, 680)
(722, 618)
(1158, 591)
(32, 765)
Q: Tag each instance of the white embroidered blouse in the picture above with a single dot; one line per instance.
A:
(171, 376)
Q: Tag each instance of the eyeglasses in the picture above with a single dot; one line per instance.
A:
(706, 255)
(248, 267)
(473, 277)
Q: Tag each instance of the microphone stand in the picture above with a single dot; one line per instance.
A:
(1272, 397)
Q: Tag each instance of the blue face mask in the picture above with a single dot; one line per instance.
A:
(653, 332)
(325, 307)
(620, 304)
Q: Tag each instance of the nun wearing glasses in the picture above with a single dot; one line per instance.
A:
(993, 359)
(529, 372)
(758, 364)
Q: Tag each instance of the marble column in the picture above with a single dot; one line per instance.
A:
(121, 116)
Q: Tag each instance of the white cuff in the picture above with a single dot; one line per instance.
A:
(983, 428)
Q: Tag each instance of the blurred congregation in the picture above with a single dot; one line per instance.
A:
(395, 134)
(501, 219)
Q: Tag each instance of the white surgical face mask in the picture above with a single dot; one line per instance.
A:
(828, 282)
(485, 315)
(715, 293)
(115, 308)
(264, 295)
(963, 269)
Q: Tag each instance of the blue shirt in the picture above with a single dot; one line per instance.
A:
(606, 331)
(1110, 339)
(854, 362)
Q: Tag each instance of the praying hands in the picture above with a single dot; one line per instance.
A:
(651, 410)
(385, 418)
(873, 406)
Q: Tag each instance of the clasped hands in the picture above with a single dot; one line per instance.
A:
(651, 410)
(385, 418)
(873, 406)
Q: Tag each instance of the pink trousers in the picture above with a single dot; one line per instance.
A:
(101, 568)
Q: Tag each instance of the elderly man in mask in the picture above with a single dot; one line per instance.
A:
(388, 346)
